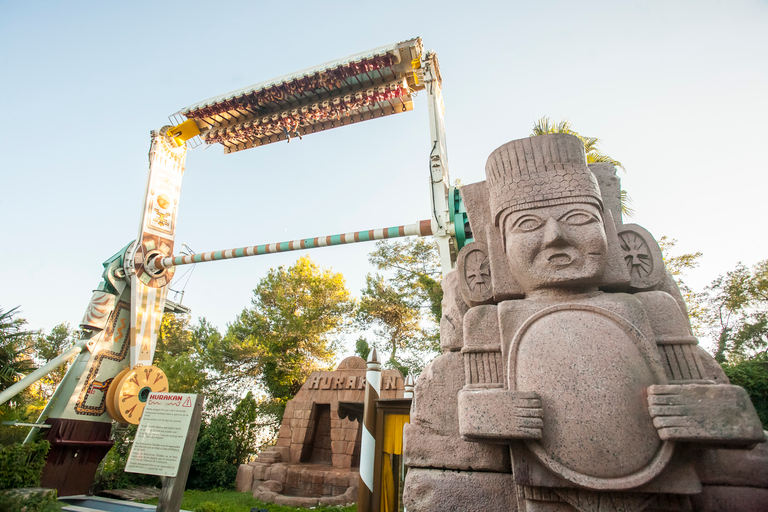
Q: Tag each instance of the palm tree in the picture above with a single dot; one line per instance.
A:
(543, 126)
(15, 344)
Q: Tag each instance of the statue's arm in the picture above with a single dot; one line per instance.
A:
(489, 411)
(499, 415)
(704, 413)
(693, 406)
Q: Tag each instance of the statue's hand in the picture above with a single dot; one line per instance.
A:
(708, 413)
(499, 415)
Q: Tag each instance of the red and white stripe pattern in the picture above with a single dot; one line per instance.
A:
(368, 442)
(422, 228)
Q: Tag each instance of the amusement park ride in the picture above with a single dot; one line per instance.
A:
(112, 375)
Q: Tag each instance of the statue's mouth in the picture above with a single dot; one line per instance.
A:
(560, 259)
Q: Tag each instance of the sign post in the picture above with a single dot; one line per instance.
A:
(165, 443)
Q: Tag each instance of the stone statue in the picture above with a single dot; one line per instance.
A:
(574, 378)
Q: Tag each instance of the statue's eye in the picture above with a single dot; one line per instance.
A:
(527, 223)
(578, 218)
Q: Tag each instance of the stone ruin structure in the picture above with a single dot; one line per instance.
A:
(317, 454)
(570, 379)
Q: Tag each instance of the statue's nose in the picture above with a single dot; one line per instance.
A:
(553, 234)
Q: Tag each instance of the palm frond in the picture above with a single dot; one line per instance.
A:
(15, 346)
(544, 126)
(625, 201)
(590, 143)
(595, 157)
(541, 127)
(564, 126)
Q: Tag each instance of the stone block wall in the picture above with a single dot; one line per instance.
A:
(317, 452)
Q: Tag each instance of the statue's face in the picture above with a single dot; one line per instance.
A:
(561, 246)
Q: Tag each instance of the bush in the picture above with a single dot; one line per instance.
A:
(225, 441)
(111, 474)
(752, 375)
(44, 501)
(21, 464)
(214, 464)
(209, 506)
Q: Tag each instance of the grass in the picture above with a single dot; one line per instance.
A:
(232, 501)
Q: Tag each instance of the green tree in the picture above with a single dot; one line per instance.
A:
(403, 306)
(190, 356)
(290, 329)
(246, 428)
(391, 313)
(752, 375)
(414, 265)
(214, 463)
(737, 313)
(46, 347)
(544, 126)
(362, 348)
(15, 348)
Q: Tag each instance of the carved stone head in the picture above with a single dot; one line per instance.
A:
(547, 205)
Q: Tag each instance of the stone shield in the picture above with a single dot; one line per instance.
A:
(591, 368)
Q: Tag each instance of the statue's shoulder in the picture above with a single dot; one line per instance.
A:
(657, 301)
(484, 326)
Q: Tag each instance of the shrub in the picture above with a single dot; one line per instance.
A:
(752, 375)
(214, 463)
(30, 502)
(21, 464)
(209, 506)
(111, 474)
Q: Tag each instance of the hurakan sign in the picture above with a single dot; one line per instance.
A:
(159, 443)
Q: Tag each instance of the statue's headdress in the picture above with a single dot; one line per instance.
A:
(539, 171)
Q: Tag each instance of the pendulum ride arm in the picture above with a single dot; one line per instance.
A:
(440, 182)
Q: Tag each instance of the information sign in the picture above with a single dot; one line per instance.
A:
(160, 439)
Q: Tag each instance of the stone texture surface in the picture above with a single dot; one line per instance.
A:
(244, 480)
(610, 188)
(717, 498)
(721, 414)
(317, 451)
(734, 467)
(503, 284)
(499, 414)
(454, 308)
(436, 490)
(432, 437)
(306, 485)
(582, 363)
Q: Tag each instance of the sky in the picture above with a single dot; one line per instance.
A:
(675, 90)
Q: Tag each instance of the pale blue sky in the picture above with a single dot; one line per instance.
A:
(675, 89)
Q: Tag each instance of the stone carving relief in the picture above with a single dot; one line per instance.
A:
(642, 255)
(580, 372)
(474, 267)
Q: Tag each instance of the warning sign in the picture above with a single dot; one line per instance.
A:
(161, 435)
